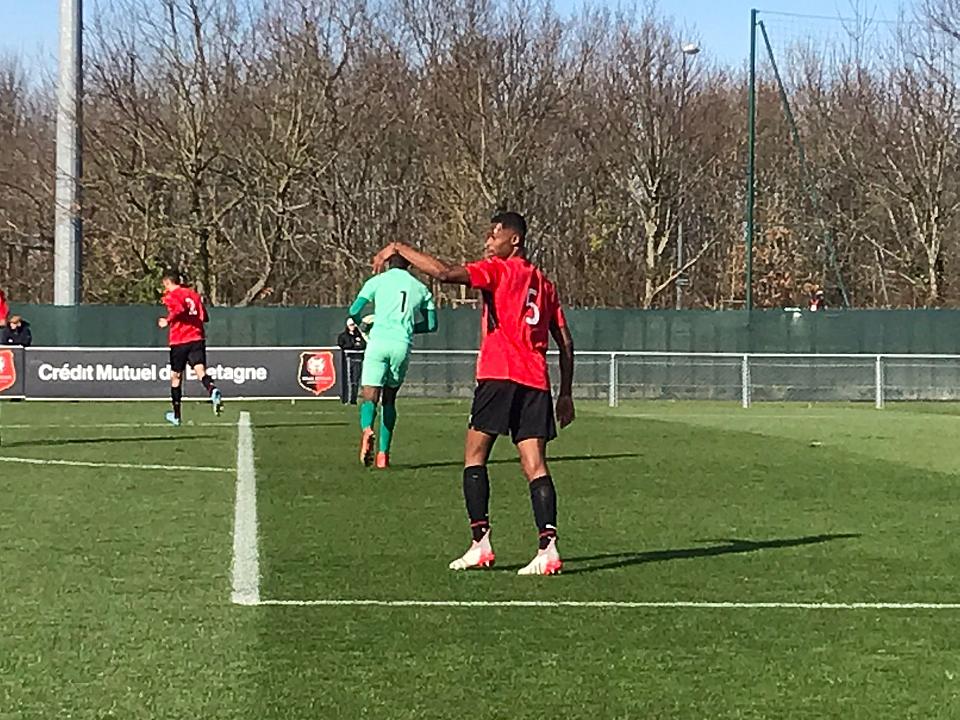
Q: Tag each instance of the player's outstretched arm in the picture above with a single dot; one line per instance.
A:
(565, 410)
(434, 267)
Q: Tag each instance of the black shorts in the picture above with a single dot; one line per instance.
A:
(503, 406)
(191, 353)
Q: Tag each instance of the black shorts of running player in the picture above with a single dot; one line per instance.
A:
(191, 353)
(502, 407)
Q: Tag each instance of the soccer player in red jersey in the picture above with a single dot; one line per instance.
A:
(186, 316)
(521, 310)
(4, 309)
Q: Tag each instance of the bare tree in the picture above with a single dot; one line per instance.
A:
(269, 148)
(26, 182)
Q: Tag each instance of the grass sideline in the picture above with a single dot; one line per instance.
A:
(117, 580)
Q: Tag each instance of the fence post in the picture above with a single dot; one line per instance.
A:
(745, 381)
(612, 395)
(878, 382)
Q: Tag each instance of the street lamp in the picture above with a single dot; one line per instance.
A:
(688, 50)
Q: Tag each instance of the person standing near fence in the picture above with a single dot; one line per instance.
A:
(16, 332)
(352, 343)
(817, 301)
(4, 309)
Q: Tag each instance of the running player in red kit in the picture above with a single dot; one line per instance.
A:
(185, 319)
(521, 310)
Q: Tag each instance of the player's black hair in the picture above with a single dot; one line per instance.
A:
(397, 261)
(173, 276)
(511, 221)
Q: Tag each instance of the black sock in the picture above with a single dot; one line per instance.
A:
(176, 394)
(208, 384)
(543, 497)
(476, 492)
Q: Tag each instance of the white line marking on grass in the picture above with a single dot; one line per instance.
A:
(680, 417)
(121, 466)
(43, 426)
(246, 559)
(613, 604)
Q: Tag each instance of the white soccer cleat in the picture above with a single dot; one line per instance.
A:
(480, 555)
(216, 399)
(546, 562)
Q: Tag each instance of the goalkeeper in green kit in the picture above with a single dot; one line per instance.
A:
(398, 299)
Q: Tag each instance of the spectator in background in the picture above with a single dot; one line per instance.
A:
(16, 332)
(4, 309)
(352, 342)
(817, 301)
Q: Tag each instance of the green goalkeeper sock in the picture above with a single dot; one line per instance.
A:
(388, 421)
(368, 413)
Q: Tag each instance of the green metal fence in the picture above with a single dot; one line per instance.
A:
(854, 331)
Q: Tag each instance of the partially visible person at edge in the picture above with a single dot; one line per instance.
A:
(4, 309)
(521, 310)
(16, 332)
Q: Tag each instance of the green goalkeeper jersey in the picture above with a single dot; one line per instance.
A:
(398, 298)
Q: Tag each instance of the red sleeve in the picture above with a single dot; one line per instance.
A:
(4, 308)
(174, 306)
(485, 274)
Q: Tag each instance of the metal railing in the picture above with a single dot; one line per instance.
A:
(612, 377)
(742, 377)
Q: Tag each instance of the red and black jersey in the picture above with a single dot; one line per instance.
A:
(520, 306)
(186, 315)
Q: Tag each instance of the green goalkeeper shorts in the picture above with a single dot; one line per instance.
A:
(385, 364)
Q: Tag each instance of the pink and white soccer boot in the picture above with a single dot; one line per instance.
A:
(546, 562)
(480, 555)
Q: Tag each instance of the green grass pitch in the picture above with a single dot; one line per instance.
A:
(116, 578)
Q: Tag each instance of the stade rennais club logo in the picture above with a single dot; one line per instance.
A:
(317, 372)
(8, 371)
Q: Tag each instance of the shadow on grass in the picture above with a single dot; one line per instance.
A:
(514, 461)
(730, 546)
(172, 437)
(56, 442)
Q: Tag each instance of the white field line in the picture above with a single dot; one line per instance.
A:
(246, 559)
(617, 605)
(352, 409)
(736, 413)
(121, 466)
(43, 426)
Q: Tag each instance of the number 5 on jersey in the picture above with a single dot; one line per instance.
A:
(534, 318)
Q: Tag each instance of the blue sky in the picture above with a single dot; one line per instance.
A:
(29, 27)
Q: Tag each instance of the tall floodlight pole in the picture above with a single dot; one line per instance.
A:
(751, 162)
(68, 230)
(688, 50)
